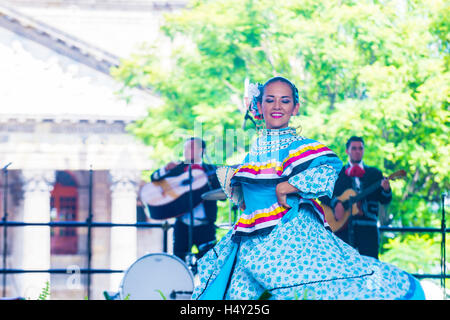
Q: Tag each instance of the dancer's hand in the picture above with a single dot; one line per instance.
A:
(242, 205)
(282, 190)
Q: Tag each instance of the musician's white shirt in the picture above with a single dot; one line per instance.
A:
(199, 210)
(357, 181)
(358, 187)
(199, 216)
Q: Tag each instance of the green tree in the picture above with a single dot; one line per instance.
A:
(379, 69)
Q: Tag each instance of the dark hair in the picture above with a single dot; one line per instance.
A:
(281, 79)
(353, 138)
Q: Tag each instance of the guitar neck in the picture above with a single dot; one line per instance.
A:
(350, 201)
(366, 192)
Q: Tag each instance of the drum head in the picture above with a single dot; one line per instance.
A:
(157, 276)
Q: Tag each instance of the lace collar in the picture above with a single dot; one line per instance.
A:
(277, 132)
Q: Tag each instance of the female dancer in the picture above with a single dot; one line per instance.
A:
(281, 245)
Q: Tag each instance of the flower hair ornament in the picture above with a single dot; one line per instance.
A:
(253, 93)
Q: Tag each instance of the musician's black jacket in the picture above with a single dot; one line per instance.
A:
(372, 201)
(210, 169)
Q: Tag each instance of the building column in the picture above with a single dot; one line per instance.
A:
(123, 250)
(37, 185)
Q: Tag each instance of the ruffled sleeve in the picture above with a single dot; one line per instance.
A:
(278, 165)
(234, 193)
(315, 182)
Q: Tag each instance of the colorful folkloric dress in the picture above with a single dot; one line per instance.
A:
(291, 254)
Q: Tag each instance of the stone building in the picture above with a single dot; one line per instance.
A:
(60, 121)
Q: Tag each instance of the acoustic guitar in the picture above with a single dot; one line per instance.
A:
(169, 197)
(350, 199)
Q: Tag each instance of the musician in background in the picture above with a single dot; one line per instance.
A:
(362, 233)
(205, 212)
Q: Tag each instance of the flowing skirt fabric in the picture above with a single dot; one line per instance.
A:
(299, 259)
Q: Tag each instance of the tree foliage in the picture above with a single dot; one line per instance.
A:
(373, 68)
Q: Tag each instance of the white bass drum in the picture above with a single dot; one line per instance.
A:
(157, 276)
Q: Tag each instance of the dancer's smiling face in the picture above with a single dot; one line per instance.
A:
(277, 105)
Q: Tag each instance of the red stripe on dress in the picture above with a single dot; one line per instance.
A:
(261, 220)
(260, 171)
(272, 170)
(320, 209)
(303, 155)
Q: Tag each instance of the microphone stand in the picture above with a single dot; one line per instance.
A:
(191, 211)
(443, 253)
(5, 217)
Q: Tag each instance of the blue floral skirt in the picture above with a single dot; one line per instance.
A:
(298, 259)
